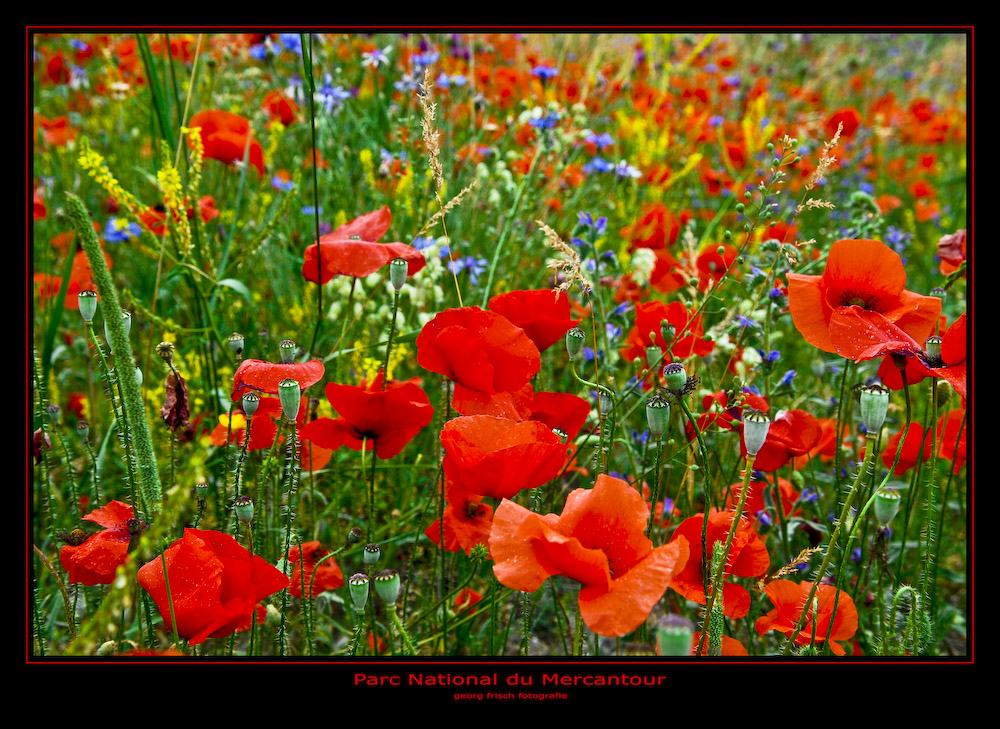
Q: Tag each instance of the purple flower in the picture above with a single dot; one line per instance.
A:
(598, 165)
(544, 72)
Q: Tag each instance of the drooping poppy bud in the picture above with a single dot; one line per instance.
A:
(290, 394)
(755, 427)
(87, 301)
(387, 585)
(874, 404)
(657, 412)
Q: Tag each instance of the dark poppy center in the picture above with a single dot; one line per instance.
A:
(865, 299)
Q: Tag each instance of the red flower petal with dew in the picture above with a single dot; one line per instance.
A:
(96, 561)
(255, 374)
(543, 315)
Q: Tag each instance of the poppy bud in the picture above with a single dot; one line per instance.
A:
(755, 427)
(674, 376)
(887, 502)
(939, 293)
(372, 553)
(874, 404)
(397, 273)
(53, 412)
(357, 584)
(932, 346)
(606, 399)
(354, 535)
(289, 393)
(673, 636)
(387, 585)
(575, 338)
(250, 402)
(287, 349)
(244, 509)
(657, 411)
(88, 304)
(83, 429)
(236, 343)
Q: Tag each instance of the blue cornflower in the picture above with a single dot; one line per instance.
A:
(311, 210)
(765, 520)
(773, 356)
(751, 388)
(732, 79)
(745, 322)
(786, 379)
(776, 293)
(588, 354)
(258, 51)
(600, 225)
(613, 332)
(621, 308)
(284, 185)
(545, 122)
(406, 83)
(420, 61)
(119, 229)
(422, 243)
(475, 266)
(715, 120)
(291, 42)
(640, 437)
(598, 165)
(79, 44)
(624, 169)
(331, 96)
(599, 140)
(544, 72)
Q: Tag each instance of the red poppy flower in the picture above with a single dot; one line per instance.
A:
(95, 561)
(952, 251)
(215, 585)
(263, 429)
(465, 599)
(39, 211)
(226, 137)
(254, 374)
(712, 265)
(478, 349)
(789, 600)
(352, 250)
(911, 450)
(466, 520)
(599, 541)
(328, 576)
(748, 557)
(862, 275)
(499, 457)
(718, 412)
(279, 107)
(647, 332)
(57, 132)
(510, 405)
(792, 433)
(81, 278)
(849, 117)
(543, 316)
(385, 420)
(952, 445)
(755, 502)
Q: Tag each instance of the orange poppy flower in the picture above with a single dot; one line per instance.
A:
(279, 107)
(647, 332)
(466, 520)
(789, 600)
(226, 137)
(96, 560)
(599, 541)
(499, 457)
(352, 250)
(911, 449)
(861, 275)
(748, 557)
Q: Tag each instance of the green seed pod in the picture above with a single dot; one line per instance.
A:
(887, 503)
(932, 346)
(397, 273)
(244, 509)
(372, 554)
(165, 350)
(674, 634)
(53, 413)
(83, 429)
(575, 338)
(249, 404)
(287, 349)
(755, 427)
(88, 304)
(943, 393)
(674, 377)
(201, 490)
(290, 395)
(657, 412)
(357, 584)
(236, 343)
(387, 585)
(653, 354)
(668, 331)
(354, 535)
(874, 404)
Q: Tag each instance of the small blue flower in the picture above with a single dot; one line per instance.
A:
(716, 120)
(119, 229)
(640, 437)
(311, 210)
(600, 225)
(786, 379)
(623, 169)
(808, 495)
(545, 122)
(598, 165)
(751, 388)
(599, 140)
(745, 322)
(291, 42)
(764, 519)
(544, 72)
(284, 185)
(420, 61)
(422, 243)
(776, 293)
(258, 51)
(772, 356)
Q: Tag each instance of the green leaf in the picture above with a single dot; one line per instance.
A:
(237, 286)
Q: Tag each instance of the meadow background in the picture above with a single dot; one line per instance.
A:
(519, 231)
